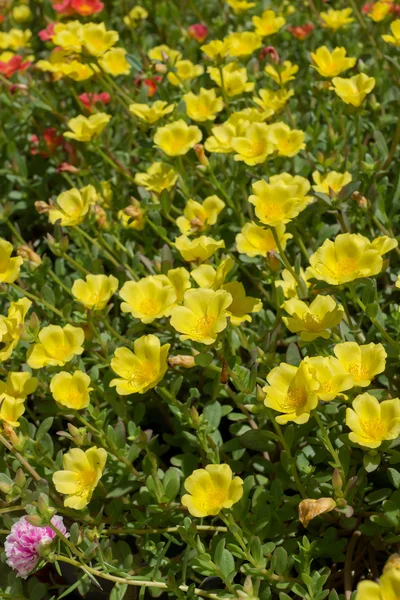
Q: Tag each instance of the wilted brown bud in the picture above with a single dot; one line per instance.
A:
(64, 166)
(393, 562)
(134, 211)
(160, 68)
(201, 155)
(273, 261)
(29, 255)
(10, 433)
(309, 509)
(224, 377)
(360, 199)
(196, 224)
(42, 207)
(100, 216)
(187, 362)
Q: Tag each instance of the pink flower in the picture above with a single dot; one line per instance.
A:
(16, 63)
(198, 32)
(46, 34)
(88, 100)
(271, 52)
(23, 543)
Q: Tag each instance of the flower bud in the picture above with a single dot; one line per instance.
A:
(187, 362)
(20, 479)
(42, 207)
(273, 261)
(29, 255)
(309, 509)
(199, 150)
(337, 483)
(360, 200)
(198, 32)
(100, 216)
(271, 52)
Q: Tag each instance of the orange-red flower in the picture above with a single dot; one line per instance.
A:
(89, 100)
(198, 32)
(82, 7)
(150, 83)
(301, 32)
(13, 65)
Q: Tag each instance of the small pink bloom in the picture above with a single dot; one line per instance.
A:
(88, 100)
(198, 32)
(46, 34)
(64, 166)
(23, 543)
(271, 52)
(64, 7)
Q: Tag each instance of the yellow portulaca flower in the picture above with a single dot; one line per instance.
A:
(301, 184)
(336, 19)
(96, 291)
(221, 140)
(81, 473)
(275, 203)
(211, 490)
(148, 299)
(384, 244)
(331, 182)
(315, 320)
(157, 178)
(350, 256)
(273, 99)
(362, 362)
(291, 391)
(18, 384)
(199, 249)
(388, 587)
(393, 39)
(254, 240)
(96, 39)
(268, 24)
(185, 70)
(21, 13)
(371, 422)
(11, 327)
(241, 304)
(215, 49)
(9, 267)
(68, 36)
(151, 113)
(379, 11)
(207, 277)
(114, 62)
(254, 115)
(288, 284)
(71, 390)
(286, 141)
(239, 6)
(353, 90)
(203, 107)
(198, 217)
(234, 78)
(164, 54)
(135, 15)
(254, 145)
(331, 376)
(72, 206)
(84, 129)
(177, 138)
(56, 347)
(284, 74)
(14, 39)
(242, 43)
(75, 70)
(331, 64)
(202, 316)
(11, 409)
(142, 369)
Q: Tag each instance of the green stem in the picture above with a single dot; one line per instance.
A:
(36, 299)
(299, 280)
(333, 452)
(291, 458)
(359, 139)
(131, 531)
(113, 164)
(21, 459)
(160, 235)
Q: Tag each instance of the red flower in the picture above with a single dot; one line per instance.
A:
(271, 52)
(51, 142)
(301, 32)
(87, 7)
(64, 7)
(13, 65)
(2, 18)
(150, 82)
(198, 32)
(88, 100)
(46, 34)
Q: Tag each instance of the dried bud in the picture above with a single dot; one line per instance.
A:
(196, 224)
(160, 68)
(309, 509)
(199, 150)
(271, 52)
(134, 211)
(224, 377)
(29, 255)
(273, 261)
(64, 166)
(100, 216)
(42, 207)
(361, 200)
(187, 362)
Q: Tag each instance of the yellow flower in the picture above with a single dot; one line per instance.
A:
(395, 38)
(72, 391)
(72, 206)
(350, 256)
(75, 70)
(384, 244)
(331, 182)
(177, 138)
(211, 490)
(202, 316)
(353, 90)
(335, 19)
(273, 99)
(371, 422)
(184, 70)
(198, 217)
(291, 391)
(132, 217)
(80, 475)
(142, 369)
(203, 107)
(254, 115)
(268, 23)
(221, 140)
(151, 113)
(288, 284)
(68, 36)
(315, 320)
(234, 77)
(96, 39)
(56, 347)
(199, 249)
(239, 6)
(114, 62)
(158, 177)
(388, 587)
(301, 184)
(254, 240)
(163, 53)
(11, 409)
(363, 362)
(21, 14)
(254, 146)
(275, 203)
(242, 43)
(18, 385)
(180, 280)
(287, 142)
(11, 326)
(215, 49)
(84, 129)
(282, 75)
(147, 299)
(96, 291)
(14, 39)
(207, 277)
(135, 15)
(241, 304)
(330, 64)
(379, 11)
(9, 267)
(331, 376)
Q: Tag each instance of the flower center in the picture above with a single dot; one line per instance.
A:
(85, 482)
(295, 398)
(358, 371)
(312, 321)
(203, 326)
(373, 428)
(346, 266)
(213, 500)
(149, 307)
(142, 375)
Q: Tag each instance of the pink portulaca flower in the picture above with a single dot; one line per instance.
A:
(23, 544)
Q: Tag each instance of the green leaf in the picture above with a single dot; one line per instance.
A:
(381, 144)
(227, 563)
(371, 463)
(44, 428)
(293, 356)
(171, 483)
(280, 558)
(394, 477)
(257, 439)
(203, 359)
